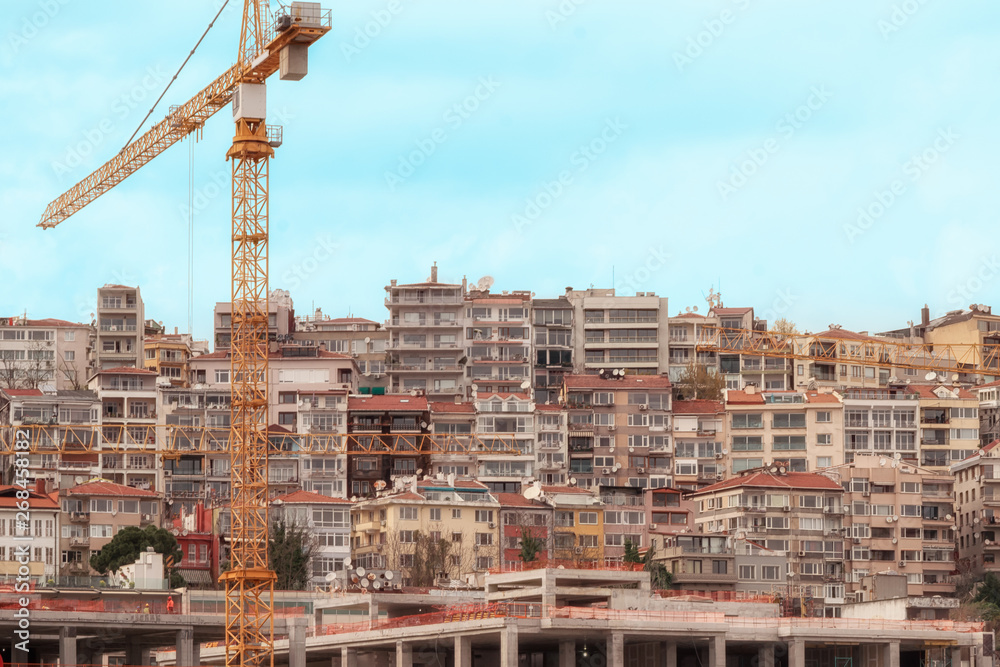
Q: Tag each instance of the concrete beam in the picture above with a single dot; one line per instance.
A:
(348, 657)
(796, 653)
(668, 652)
(296, 628)
(508, 646)
(185, 648)
(616, 650)
(765, 655)
(463, 651)
(567, 654)
(404, 654)
(717, 651)
(890, 654)
(67, 646)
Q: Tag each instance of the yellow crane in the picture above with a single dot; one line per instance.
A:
(267, 43)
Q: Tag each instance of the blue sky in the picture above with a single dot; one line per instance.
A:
(676, 145)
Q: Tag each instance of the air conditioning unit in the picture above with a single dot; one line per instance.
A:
(643, 406)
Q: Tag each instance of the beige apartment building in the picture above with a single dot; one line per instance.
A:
(699, 431)
(427, 338)
(977, 511)
(796, 517)
(899, 518)
(46, 354)
(120, 323)
(801, 430)
(92, 514)
(460, 515)
(619, 429)
(364, 340)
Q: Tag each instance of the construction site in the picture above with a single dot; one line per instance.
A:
(587, 606)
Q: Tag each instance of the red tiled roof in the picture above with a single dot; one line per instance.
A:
(103, 487)
(821, 397)
(739, 397)
(927, 391)
(791, 480)
(22, 392)
(517, 500)
(627, 382)
(697, 407)
(39, 501)
(394, 402)
(296, 497)
(462, 408)
(122, 370)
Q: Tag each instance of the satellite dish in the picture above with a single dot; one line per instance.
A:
(361, 571)
(389, 575)
(532, 492)
(930, 376)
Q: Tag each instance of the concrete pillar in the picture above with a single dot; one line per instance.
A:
(508, 646)
(717, 651)
(668, 653)
(463, 651)
(296, 628)
(796, 653)
(890, 654)
(67, 646)
(567, 654)
(348, 657)
(765, 655)
(616, 650)
(185, 648)
(404, 654)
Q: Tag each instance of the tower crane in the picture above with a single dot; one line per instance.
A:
(268, 43)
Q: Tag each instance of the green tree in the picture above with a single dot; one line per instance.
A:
(125, 547)
(699, 382)
(430, 557)
(289, 551)
(531, 546)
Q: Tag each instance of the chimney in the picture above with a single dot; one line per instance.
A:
(434, 273)
(40, 486)
(925, 316)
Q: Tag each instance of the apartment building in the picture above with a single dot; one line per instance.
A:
(881, 421)
(977, 511)
(578, 537)
(553, 327)
(685, 331)
(900, 520)
(47, 354)
(455, 421)
(949, 424)
(169, 356)
(427, 337)
(372, 417)
(521, 516)
(619, 427)
(454, 519)
(989, 412)
(364, 340)
(40, 535)
(280, 320)
(551, 444)
(498, 341)
(699, 434)
(511, 415)
(120, 327)
(619, 332)
(787, 522)
(328, 523)
(801, 430)
(92, 514)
